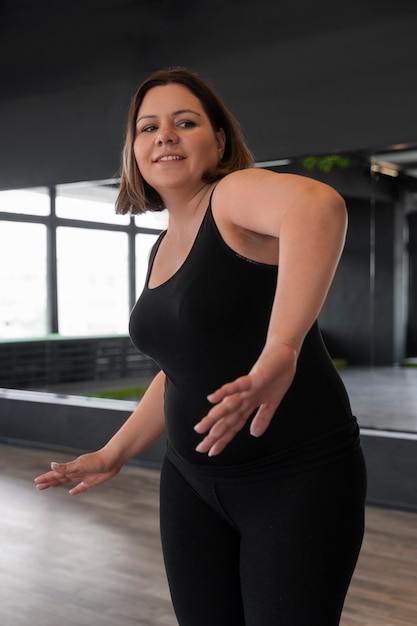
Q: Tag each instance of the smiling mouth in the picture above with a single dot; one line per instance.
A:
(169, 157)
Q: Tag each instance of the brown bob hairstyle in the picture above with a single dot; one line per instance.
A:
(135, 195)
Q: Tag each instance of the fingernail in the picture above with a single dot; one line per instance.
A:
(54, 466)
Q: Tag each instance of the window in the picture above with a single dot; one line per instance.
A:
(72, 248)
(25, 201)
(157, 221)
(92, 282)
(94, 203)
(152, 219)
(23, 293)
(144, 243)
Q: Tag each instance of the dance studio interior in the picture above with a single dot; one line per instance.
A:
(320, 90)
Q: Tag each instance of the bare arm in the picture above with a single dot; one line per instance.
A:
(144, 426)
(309, 220)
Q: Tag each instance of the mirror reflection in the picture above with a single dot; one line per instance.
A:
(71, 271)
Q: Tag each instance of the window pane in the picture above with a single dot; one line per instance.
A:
(23, 298)
(95, 203)
(144, 244)
(152, 219)
(27, 201)
(92, 282)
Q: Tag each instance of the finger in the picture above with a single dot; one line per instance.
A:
(46, 485)
(57, 470)
(262, 419)
(221, 444)
(69, 472)
(43, 478)
(50, 479)
(58, 467)
(211, 419)
(212, 445)
(237, 386)
(223, 431)
(231, 408)
(205, 445)
(79, 488)
(217, 432)
(72, 467)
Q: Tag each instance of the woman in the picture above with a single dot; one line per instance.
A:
(263, 483)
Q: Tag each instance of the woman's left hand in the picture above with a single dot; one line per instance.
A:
(263, 389)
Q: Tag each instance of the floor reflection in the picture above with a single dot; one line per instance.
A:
(383, 397)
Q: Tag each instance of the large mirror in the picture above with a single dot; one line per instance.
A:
(369, 321)
(370, 318)
(71, 270)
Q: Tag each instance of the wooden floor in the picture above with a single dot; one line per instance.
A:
(94, 559)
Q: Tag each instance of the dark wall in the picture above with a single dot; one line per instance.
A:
(301, 77)
(382, 338)
(346, 316)
(357, 319)
(411, 348)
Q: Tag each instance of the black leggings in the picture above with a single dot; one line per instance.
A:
(263, 550)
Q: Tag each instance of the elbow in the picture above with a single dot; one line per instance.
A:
(336, 211)
(342, 214)
(334, 200)
(328, 203)
(331, 219)
(339, 225)
(340, 205)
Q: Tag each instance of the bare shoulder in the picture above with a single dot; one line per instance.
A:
(256, 199)
(256, 179)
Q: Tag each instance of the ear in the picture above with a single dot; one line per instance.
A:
(221, 142)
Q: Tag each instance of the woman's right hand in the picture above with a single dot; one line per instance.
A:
(88, 470)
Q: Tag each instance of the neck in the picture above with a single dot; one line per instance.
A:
(184, 209)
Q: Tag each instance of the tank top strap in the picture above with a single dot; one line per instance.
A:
(152, 254)
(208, 216)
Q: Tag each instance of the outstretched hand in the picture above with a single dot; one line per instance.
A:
(262, 389)
(87, 471)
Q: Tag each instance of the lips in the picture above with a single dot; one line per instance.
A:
(169, 157)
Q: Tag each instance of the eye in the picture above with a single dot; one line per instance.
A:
(144, 128)
(186, 124)
(147, 129)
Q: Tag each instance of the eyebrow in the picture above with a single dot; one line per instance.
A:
(179, 112)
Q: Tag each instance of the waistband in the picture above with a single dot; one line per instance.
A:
(323, 450)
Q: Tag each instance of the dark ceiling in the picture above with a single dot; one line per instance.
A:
(53, 46)
(46, 43)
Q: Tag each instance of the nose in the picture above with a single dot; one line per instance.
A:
(165, 135)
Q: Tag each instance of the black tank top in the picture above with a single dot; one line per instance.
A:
(205, 326)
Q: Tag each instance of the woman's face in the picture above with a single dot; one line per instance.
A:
(175, 143)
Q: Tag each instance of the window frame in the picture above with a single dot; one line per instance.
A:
(53, 222)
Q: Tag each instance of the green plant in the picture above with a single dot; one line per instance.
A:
(128, 393)
(328, 162)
